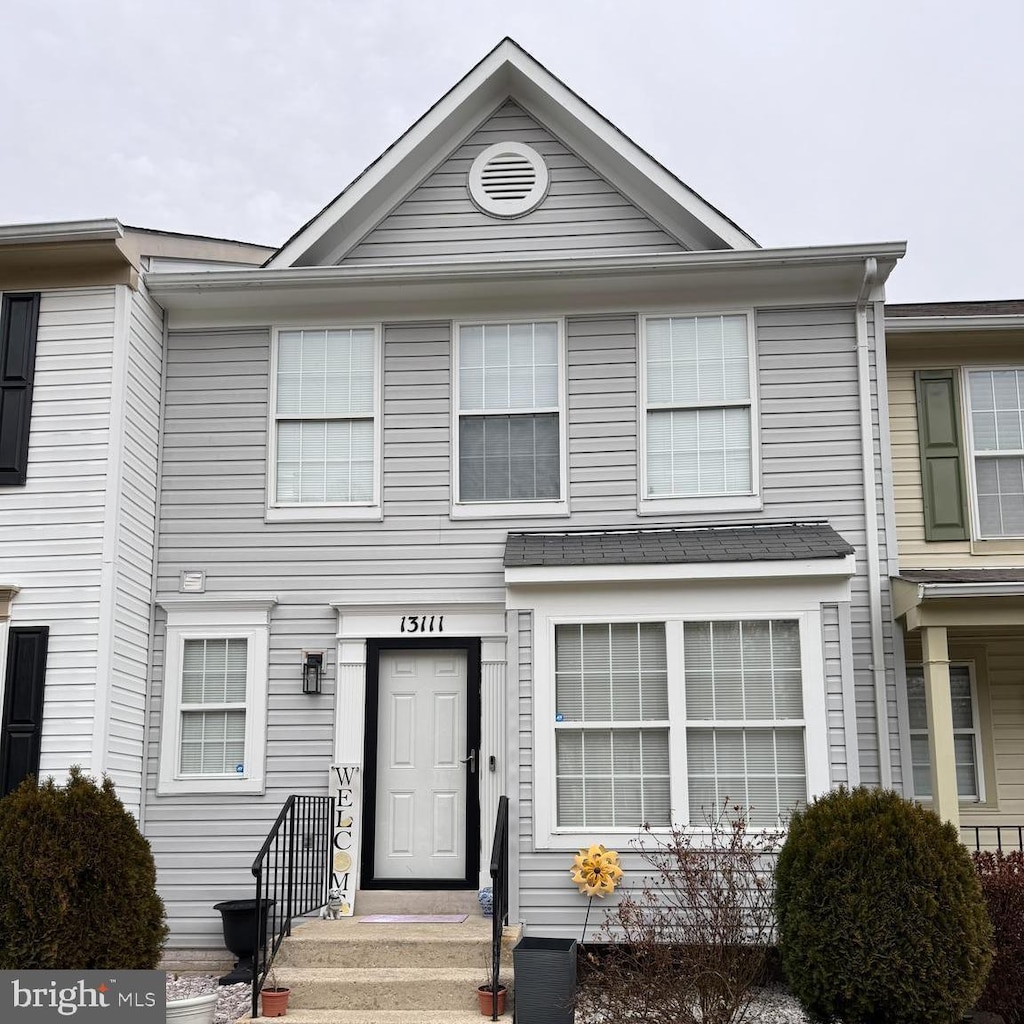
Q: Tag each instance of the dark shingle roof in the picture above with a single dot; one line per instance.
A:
(963, 575)
(997, 307)
(770, 542)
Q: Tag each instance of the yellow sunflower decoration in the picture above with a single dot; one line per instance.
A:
(596, 871)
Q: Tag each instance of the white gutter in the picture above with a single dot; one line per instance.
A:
(61, 231)
(936, 591)
(989, 322)
(621, 265)
(874, 567)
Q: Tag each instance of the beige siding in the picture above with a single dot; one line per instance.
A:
(582, 212)
(905, 356)
(998, 663)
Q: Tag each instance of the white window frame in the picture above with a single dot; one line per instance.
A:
(505, 509)
(976, 732)
(299, 512)
(244, 619)
(719, 604)
(972, 455)
(670, 504)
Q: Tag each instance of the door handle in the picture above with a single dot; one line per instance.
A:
(471, 761)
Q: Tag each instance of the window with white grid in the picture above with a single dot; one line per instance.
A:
(996, 399)
(508, 411)
(966, 733)
(214, 694)
(699, 407)
(324, 417)
(611, 725)
(213, 698)
(744, 718)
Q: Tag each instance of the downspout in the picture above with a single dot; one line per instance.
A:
(874, 567)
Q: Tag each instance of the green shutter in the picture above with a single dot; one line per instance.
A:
(942, 471)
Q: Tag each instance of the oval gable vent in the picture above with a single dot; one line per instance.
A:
(508, 179)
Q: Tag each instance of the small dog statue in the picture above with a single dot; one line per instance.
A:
(335, 906)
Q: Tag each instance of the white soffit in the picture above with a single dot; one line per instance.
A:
(506, 72)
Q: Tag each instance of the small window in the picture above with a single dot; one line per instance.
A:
(213, 721)
(996, 399)
(510, 430)
(611, 731)
(326, 433)
(966, 734)
(699, 438)
(214, 685)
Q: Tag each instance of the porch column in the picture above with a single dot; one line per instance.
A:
(940, 723)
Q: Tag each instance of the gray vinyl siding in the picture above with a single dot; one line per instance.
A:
(212, 518)
(135, 548)
(51, 529)
(581, 214)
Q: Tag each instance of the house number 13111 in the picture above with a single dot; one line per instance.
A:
(422, 624)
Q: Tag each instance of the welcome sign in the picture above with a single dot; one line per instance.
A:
(348, 805)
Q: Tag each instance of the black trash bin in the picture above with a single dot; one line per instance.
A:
(545, 973)
(238, 919)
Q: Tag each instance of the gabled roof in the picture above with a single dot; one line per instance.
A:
(506, 72)
(660, 546)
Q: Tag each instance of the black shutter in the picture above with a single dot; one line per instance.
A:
(21, 727)
(942, 470)
(19, 324)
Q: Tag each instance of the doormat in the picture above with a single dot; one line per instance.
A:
(413, 919)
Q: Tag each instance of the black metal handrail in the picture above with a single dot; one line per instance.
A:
(292, 871)
(499, 890)
(1014, 833)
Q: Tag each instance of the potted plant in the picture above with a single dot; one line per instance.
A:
(198, 1006)
(273, 997)
(485, 992)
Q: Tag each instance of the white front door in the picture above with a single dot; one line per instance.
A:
(420, 827)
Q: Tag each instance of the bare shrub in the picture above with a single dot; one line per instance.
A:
(692, 942)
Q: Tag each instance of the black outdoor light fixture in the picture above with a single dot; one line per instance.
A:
(312, 671)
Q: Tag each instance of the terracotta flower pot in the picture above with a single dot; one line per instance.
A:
(486, 998)
(274, 1001)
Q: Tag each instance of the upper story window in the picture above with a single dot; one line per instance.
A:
(996, 400)
(326, 424)
(509, 425)
(699, 438)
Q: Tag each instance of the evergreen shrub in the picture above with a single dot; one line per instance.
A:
(1002, 883)
(880, 915)
(77, 881)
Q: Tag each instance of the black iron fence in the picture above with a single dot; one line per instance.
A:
(993, 837)
(292, 871)
(499, 887)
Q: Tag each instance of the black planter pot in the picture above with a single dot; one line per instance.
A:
(238, 919)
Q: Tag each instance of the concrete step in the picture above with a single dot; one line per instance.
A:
(351, 942)
(300, 1016)
(383, 988)
(412, 901)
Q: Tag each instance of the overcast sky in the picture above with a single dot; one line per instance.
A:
(818, 122)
